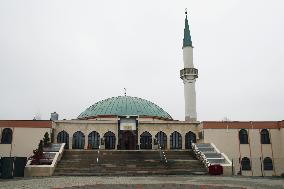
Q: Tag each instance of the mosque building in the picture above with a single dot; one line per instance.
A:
(133, 123)
(130, 123)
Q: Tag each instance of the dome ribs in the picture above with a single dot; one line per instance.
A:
(124, 106)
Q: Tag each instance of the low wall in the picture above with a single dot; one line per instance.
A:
(44, 170)
(227, 167)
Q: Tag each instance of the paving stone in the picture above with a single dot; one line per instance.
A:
(155, 182)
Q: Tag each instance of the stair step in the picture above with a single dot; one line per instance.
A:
(129, 173)
(124, 163)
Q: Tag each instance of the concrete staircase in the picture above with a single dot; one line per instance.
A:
(208, 154)
(128, 163)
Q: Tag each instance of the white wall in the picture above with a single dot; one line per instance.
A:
(227, 141)
(24, 141)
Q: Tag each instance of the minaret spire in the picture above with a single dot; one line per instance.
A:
(124, 91)
(186, 34)
(188, 75)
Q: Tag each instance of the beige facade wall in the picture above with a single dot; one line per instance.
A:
(168, 128)
(5, 150)
(279, 145)
(227, 141)
(86, 127)
(282, 141)
(24, 141)
(146, 124)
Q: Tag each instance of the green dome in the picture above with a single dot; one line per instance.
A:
(124, 106)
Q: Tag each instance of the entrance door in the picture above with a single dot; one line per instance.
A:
(127, 140)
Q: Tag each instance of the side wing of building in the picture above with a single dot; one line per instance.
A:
(256, 147)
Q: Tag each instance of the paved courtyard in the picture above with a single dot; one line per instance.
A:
(155, 182)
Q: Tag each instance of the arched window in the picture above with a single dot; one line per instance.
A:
(94, 140)
(145, 140)
(78, 140)
(246, 164)
(162, 139)
(7, 134)
(243, 136)
(175, 140)
(63, 137)
(265, 139)
(109, 140)
(267, 164)
(190, 138)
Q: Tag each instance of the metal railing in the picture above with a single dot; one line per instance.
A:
(208, 154)
(162, 153)
(98, 157)
(200, 155)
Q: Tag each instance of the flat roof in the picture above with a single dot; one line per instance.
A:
(26, 123)
(243, 124)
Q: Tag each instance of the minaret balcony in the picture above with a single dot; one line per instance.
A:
(188, 72)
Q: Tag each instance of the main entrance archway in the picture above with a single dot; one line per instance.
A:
(127, 140)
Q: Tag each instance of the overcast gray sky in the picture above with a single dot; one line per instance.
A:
(66, 55)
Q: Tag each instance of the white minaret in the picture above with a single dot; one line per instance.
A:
(188, 75)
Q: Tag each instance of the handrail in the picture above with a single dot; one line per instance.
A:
(98, 154)
(200, 156)
(207, 160)
(162, 153)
